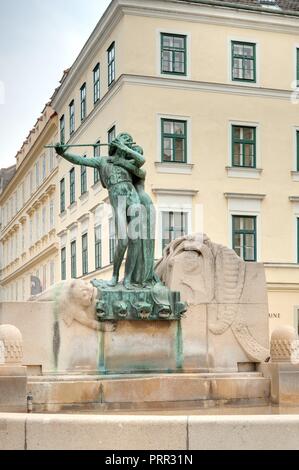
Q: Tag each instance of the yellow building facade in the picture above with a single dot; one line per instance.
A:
(29, 249)
(209, 91)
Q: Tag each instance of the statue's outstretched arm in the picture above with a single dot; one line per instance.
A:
(76, 159)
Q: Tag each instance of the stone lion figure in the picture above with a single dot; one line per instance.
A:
(75, 300)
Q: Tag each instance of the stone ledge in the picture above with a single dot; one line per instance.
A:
(76, 432)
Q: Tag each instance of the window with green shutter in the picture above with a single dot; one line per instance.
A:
(174, 225)
(62, 130)
(96, 83)
(244, 237)
(111, 64)
(243, 61)
(83, 102)
(74, 259)
(63, 263)
(96, 153)
(111, 134)
(174, 141)
(84, 254)
(173, 54)
(72, 117)
(72, 186)
(62, 195)
(98, 246)
(83, 178)
(244, 146)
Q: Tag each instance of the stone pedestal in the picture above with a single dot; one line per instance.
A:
(13, 376)
(284, 381)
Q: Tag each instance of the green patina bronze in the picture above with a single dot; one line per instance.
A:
(141, 295)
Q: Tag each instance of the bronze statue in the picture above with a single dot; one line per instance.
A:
(122, 176)
(142, 296)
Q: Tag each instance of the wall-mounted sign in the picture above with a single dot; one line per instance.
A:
(274, 315)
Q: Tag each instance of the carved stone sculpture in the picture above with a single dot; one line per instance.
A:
(211, 274)
(284, 345)
(11, 348)
(75, 300)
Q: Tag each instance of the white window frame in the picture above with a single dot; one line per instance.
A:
(172, 203)
(245, 207)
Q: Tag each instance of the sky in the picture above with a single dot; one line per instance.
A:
(38, 40)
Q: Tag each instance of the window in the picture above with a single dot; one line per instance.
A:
(63, 264)
(112, 240)
(62, 130)
(111, 134)
(96, 83)
(244, 237)
(244, 146)
(51, 164)
(51, 214)
(297, 66)
(83, 102)
(111, 64)
(44, 221)
(52, 273)
(98, 247)
(73, 260)
(174, 225)
(62, 195)
(31, 182)
(96, 153)
(44, 168)
(36, 175)
(297, 150)
(297, 239)
(83, 179)
(72, 117)
(243, 61)
(84, 254)
(44, 277)
(72, 187)
(173, 54)
(174, 141)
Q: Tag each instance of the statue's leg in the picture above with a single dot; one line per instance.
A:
(122, 243)
(133, 250)
(134, 243)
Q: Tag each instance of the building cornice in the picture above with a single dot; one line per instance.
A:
(265, 20)
(53, 248)
(282, 287)
(259, 197)
(175, 192)
(225, 88)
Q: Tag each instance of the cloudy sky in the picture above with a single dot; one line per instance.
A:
(38, 40)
